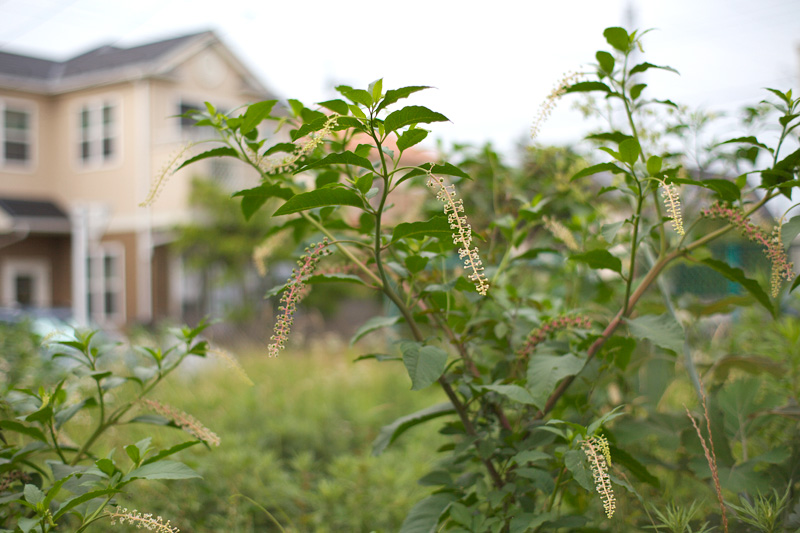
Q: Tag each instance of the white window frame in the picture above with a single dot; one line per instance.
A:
(98, 283)
(38, 269)
(97, 132)
(25, 106)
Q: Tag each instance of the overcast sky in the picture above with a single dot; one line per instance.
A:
(492, 61)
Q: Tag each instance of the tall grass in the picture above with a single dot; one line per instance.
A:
(297, 442)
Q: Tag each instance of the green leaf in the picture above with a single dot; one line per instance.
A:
(737, 275)
(641, 67)
(594, 169)
(726, 190)
(255, 114)
(391, 432)
(609, 231)
(415, 263)
(214, 152)
(747, 140)
(253, 199)
(357, 96)
(512, 392)
(530, 456)
(577, 464)
(410, 138)
(337, 106)
(629, 151)
(618, 38)
(345, 158)
(335, 277)
(612, 136)
(588, 86)
(33, 494)
(437, 226)
(376, 89)
(170, 451)
(83, 498)
(789, 231)
(425, 364)
(393, 95)
(545, 371)
(413, 114)
(319, 198)
(162, 470)
(606, 61)
(621, 457)
(637, 89)
(424, 516)
(18, 427)
(598, 259)
(374, 323)
(663, 331)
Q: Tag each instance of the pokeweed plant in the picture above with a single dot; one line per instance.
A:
(57, 466)
(522, 351)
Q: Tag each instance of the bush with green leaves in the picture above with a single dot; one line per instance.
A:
(551, 324)
(58, 470)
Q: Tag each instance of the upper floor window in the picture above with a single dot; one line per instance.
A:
(98, 137)
(16, 134)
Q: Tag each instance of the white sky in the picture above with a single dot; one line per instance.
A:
(492, 61)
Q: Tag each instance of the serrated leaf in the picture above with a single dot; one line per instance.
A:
(424, 516)
(253, 199)
(222, 151)
(255, 114)
(512, 392)
(425, 364)
(598, 259)
(410, 138)
(165, 469)
(545, 371)
(319, 198)
(393, 95)
(344, 158)
(391, 432)
(413, 114)
(374, 323)
(737, 275)
(437, 226)
(663, 331)
(588, 86)
(594, 169)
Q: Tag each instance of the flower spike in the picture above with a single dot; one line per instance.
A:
(673, 204)
(462, 231)
(296, 289)
(599, 457)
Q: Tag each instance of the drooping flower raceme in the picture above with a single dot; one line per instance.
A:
(278, 164)
(560, 232)
(172, 165)
(548, 327)
(673, 204)
(782, 268)
(546, 108)
(185, 421)
(462, 231)
(599, 457)
(296, 289)
(142, 521)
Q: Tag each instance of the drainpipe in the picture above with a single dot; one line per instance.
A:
(80, 253)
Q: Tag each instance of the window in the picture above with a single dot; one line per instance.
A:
(106, 282)
(187, 122)
(16, 134)
(98, 139)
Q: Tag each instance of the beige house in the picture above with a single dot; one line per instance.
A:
(80, 143)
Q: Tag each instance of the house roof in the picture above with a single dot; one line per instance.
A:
(111, 64)
(41, 216)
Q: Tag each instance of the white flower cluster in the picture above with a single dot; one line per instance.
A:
(146, 521)
(462, 231)
(599, 456)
